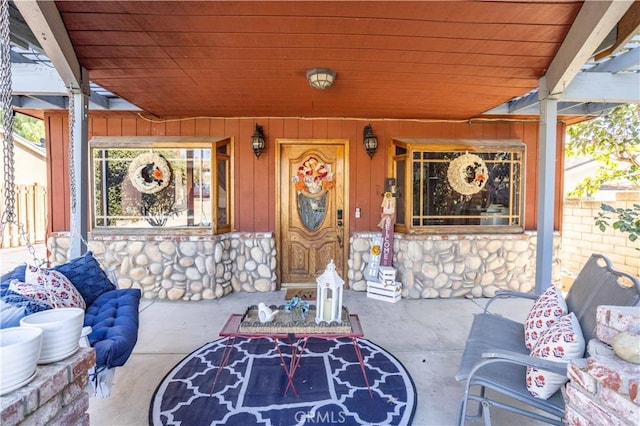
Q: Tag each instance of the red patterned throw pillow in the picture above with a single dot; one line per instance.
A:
(563, 341)
(35, 292)
(547, 309)
(60, 291)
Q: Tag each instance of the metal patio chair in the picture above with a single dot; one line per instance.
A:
(495, 358)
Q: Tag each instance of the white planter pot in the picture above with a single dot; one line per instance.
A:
(19, 352)
(61, 332)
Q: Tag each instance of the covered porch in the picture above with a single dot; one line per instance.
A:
(171, 330)
(433, 79)
(509, 82)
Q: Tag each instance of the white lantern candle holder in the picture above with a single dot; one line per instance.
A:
(329, 296)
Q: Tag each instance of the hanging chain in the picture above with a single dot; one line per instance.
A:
(73, 231)
(8, 216)
(72, 168)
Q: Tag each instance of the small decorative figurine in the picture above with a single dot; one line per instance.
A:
(265, 314)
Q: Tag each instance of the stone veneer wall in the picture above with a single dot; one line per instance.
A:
(182, 267)
(210, 267)
(56, 396)
(432, 266)
(604, 389)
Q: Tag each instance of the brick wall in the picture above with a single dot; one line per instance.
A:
(604, 389)
(56, 396)
(581, 238)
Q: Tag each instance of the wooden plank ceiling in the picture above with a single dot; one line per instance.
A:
(397, 59)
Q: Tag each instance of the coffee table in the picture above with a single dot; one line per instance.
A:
(297, 342)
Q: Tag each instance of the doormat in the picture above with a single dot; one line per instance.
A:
(304, 293)
(250, 389)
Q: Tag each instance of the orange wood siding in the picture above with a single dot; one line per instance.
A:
(58, 201)
(254, 179)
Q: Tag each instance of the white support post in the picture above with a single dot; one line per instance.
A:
(546, 192)
(80, 186)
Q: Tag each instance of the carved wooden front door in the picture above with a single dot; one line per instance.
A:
(312, 210)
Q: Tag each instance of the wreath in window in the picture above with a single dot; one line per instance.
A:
(467, 174)
(149, 173)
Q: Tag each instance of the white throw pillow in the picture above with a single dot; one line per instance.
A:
(563, 341)
(546, 310)
(62, 293)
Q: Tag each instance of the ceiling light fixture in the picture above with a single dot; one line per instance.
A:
(321, 78)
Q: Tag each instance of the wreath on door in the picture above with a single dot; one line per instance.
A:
(149, 173)
(312, 180)
(467, 174)
(313, 176)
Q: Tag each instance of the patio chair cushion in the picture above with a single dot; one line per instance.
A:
(112, 313)
(113, 317)
(86, 274)
(547, 309)
(563, 341)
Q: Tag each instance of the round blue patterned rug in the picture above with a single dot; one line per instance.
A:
(250, 390)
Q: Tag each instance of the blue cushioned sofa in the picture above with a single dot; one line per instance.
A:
(112, 313)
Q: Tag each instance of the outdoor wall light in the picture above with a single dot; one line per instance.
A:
(257, 141)
(321, 78)
(369, 140)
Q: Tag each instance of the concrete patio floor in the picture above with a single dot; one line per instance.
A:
(426, 335)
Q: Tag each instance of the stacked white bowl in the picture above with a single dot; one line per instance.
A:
(61, 329)
(19, 352)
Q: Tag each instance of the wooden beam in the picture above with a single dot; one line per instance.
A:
(46, 24)
(36, 79)
(43, 82)
(628, 26)
(586, 87)
(594, 21)
(621, 62)
(603, 87)
(595, 84)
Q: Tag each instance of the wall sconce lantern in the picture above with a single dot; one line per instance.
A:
(369, 140)
(321, 78)
(329, 296)
(257, 141)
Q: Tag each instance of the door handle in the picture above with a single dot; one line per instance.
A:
(339, 223)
